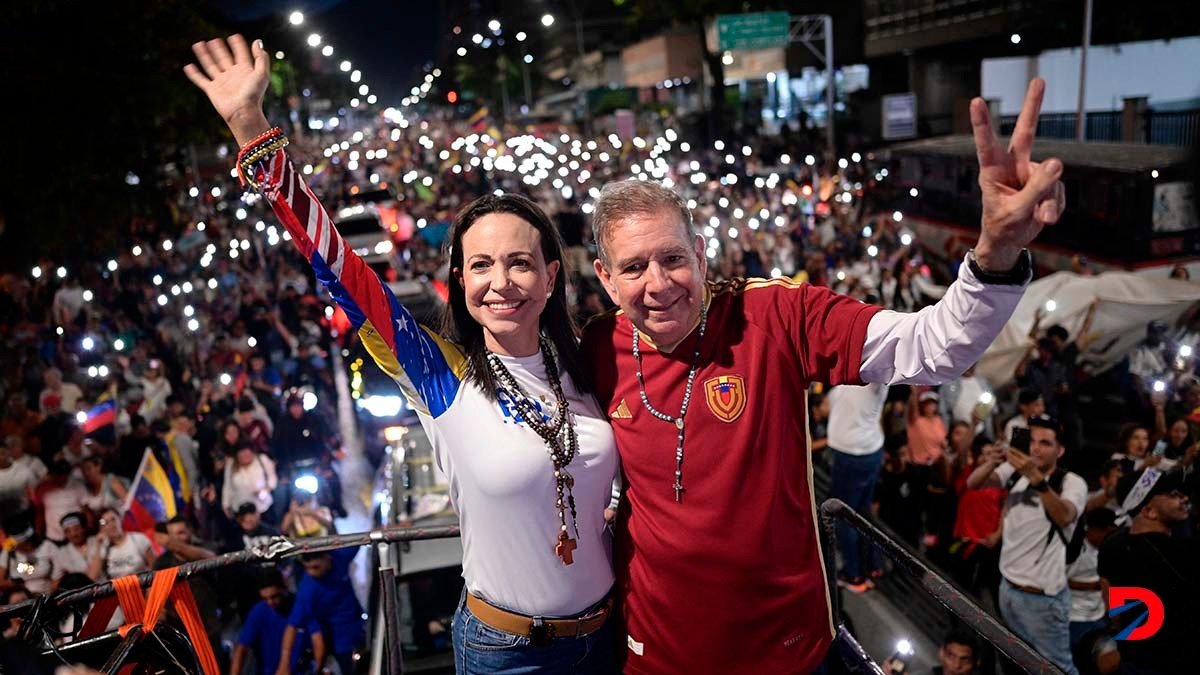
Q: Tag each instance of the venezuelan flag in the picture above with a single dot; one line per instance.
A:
(151, 498)
(103, 414)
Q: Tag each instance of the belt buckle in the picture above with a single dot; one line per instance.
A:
(540, 633)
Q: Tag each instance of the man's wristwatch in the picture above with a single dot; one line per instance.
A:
(1019, 275)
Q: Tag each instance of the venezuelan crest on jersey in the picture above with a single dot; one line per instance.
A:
(726, 396)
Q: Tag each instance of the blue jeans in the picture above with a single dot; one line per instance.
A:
(480, 649)
(854, 478)
(1041, 620)
(1081, 628)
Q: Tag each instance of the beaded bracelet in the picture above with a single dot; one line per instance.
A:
(260, 139)
(247, 162)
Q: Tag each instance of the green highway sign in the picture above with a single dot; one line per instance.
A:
(758, 30)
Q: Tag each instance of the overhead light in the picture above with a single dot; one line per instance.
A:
(296, 18)
(1015, 38)
(547, 20)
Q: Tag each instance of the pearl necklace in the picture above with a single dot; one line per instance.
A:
(552, 434)
(687, 398)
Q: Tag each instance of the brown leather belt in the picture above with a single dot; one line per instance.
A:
(1027, 589)
(537, 629)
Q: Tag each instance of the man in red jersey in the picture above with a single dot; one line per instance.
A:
(718, 562)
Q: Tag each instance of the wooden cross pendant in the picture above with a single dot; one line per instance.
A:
(564, 548)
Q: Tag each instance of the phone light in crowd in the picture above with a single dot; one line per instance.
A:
(1015, 38)
(296, 18)
(1185, 351)
(913, 192)
(1051, 305)
(193, 325)
(904, 648)
(866, 231)
(307, 483)
(252, 342)
(226, 379)
(137, 250)
(62, 273)
(905, 239)
(394, 434)
(309, 400)
(119, 344)
(88, 344)
(547, 20)
(314, 40)
(87, 296)
(112, 265)
(37, 273)
(1159, 386)
(841, 276)
(59, 330)
(81, 417)
(897, 216)
(986, 398)
(810, 160)
(872, 250)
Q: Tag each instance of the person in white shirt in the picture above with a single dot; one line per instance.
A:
(855, 435)
(1044, 502)
(30, 563)
(121, 553)
(249, 478)
(16, 480)
(58, 495)
(969, 399)
(1030, 404)
(1089, 610)
(78, 554)
(68, 393)
(16, 452)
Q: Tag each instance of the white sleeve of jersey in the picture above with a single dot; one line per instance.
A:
(938, 343)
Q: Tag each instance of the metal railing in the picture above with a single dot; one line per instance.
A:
(1174, 127)
(971, 614)
(36, 612)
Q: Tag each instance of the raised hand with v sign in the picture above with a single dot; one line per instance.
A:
(1020, 196)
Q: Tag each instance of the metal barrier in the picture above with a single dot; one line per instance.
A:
(954, 600)
(37, 611)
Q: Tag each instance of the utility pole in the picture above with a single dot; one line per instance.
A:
(1080, 112)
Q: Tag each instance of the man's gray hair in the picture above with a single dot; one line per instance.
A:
(623, 199)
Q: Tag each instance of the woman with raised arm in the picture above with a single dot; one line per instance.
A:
(501, 391)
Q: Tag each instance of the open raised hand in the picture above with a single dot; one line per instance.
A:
(234, 76)
(1020, 196)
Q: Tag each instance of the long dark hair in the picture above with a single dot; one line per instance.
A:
(556, 321)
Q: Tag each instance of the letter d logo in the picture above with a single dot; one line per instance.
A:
(1124, 598)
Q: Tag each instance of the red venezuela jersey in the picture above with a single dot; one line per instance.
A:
(730, 580)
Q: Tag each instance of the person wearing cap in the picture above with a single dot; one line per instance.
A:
(1043, 504)
(1147, 555)
(76, 554)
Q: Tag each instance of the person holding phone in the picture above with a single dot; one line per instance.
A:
(1044, 503)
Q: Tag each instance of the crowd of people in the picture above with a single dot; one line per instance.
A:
(210, 338)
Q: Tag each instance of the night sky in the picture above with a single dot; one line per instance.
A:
(389, 40)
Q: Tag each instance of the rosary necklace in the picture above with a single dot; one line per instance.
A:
(561, 450)
(687, 398)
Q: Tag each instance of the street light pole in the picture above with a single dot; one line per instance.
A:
(1080, 112)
